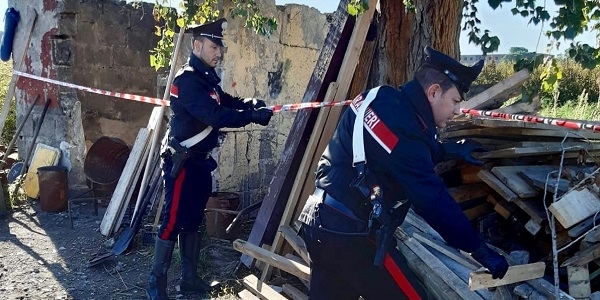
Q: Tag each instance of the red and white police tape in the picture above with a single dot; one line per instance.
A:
(570, 124)
(97, 91)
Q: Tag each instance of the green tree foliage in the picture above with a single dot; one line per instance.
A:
(569, 91)
(517, 53)
(573, 18)
(169, 20)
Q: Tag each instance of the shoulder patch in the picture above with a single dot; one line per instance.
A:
(378, 130)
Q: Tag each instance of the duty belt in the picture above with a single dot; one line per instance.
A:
(335, 204)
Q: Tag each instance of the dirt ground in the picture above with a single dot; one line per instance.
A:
(41, 257)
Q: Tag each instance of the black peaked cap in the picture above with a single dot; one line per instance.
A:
(461, 75)
(212, 30)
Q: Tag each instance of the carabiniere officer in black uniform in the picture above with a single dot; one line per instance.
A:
(348, 223)
(200, 108)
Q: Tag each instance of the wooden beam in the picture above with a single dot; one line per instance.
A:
(509, 175)
(247, 295)
(466, 192)
(293, 292)
(583, 257)
(299, 270)
(442, 270)
(575, 206)
(123, 188)
(265, 292)
(506, 132)
(497, 185)
(579, 281)
(269, 215)
(25, 26)
(448, 251)
(324, 126)
(483, 279)
(295, 241)
(497, 94)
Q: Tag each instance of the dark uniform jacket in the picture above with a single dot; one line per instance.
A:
(401, 150)
(197, 101)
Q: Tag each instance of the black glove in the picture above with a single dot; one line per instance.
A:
(462, 150)
(491, 260)
(256, 103)
(262, 116)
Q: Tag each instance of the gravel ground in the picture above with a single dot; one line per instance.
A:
(41, 257)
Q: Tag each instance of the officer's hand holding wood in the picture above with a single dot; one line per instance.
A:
(463, 149)
(262, 116)
(491, 260)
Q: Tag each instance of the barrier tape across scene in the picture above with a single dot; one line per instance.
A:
(569, 124)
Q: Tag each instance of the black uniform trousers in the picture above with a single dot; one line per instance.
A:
(342, 265)
(185, 196)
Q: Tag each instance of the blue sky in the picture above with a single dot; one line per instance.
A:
(513, 31)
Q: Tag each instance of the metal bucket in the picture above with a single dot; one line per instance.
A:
(54, 188)
(217, 222)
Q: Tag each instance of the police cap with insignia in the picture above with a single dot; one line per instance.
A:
(212, 30)
(462, 76)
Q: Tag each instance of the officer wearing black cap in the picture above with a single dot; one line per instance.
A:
(200, 108)
(371, 174)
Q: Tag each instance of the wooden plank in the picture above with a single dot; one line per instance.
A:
(442, 270)
(269, 215)
(293, 292)
(501, 206)
(497, 94)
(431, 280)
(575, 206)
(247, 295)
(521, 133)
(509, 175)
(275, 260)
(579, 281)
(539, 284)
(123, 187)
(493, 122)
(482, 279)
(583, 257)
(295, 241)
(25, 26)
(532, 151)
(533, 207)
(325, 125)
(468, 173)
(447, 250)
(478, 211)
(466, 192)
(264, 292)
(497, 185)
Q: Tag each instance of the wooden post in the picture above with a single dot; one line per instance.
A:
(10, 93)
(269, 214)
(157, 127)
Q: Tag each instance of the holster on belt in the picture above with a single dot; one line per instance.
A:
(179, 154)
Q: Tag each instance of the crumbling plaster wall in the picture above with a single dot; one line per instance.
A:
(105, 45)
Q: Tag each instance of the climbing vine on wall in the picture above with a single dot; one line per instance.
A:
(170, 19)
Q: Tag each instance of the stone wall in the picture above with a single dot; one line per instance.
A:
(105, 45)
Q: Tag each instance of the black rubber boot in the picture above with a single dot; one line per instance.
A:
(157, 283)
(189, 247)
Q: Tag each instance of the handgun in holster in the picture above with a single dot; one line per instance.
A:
(380, 212)
(179, 155)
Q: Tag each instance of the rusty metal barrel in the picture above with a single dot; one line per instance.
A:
(54, 188)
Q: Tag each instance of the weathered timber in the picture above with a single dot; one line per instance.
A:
(326, 69)
(497, 94)
(483, 279)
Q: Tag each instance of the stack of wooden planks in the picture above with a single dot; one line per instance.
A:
(535, 199)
